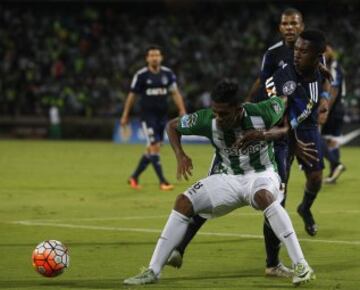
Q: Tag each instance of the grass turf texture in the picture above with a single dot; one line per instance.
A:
(76, 192)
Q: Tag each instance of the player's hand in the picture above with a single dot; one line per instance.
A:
(124, 121)
(184, 167)
(306, 152)
(248, 137)
(322, 117)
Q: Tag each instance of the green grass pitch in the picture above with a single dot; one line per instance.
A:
(76, 192)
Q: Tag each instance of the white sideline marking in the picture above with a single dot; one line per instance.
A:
(258, 213)
(140, 230)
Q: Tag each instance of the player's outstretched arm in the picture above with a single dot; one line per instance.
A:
(271, 134)
(130, 100)
(179, 101)
(184, 162)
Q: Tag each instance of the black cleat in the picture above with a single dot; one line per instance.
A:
(310, 226)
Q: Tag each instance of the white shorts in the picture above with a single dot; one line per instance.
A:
(219, 194)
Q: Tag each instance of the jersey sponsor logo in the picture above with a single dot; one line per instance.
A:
(188, 121)
(250, 149)
(156, 92)
(148, 81)
(253, 148)
(288, 88)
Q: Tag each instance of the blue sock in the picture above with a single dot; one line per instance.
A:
(336, 154)
(143, 163)
(335, 158)
(309, 198)
(155, 160)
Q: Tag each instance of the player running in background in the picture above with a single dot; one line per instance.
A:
(153, 84)
(290, 26)
(248, 175)
(335, 119)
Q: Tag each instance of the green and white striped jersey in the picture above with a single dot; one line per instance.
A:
(258, 156)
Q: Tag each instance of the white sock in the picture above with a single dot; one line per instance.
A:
(281, 225)
(170, 237)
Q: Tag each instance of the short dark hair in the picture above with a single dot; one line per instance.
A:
(153, 47)
(292, 11)
(316, 39)
(225, 91)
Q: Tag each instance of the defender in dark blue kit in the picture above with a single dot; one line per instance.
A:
(281, 53)
(153, 84)
(335, 119)
(302, 82)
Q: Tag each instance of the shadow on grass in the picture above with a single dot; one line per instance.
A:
(250, 279)
(64, 284)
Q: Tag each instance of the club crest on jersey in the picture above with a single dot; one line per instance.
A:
(276, 108)
(164, 80)
(288, 88)
(188, 121)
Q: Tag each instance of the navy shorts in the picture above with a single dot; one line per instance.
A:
(153, 127)
(308, 135)
(333, 126)
(281, 149)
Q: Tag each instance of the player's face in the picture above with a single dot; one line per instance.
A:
(227, 115)
(290, 27)
(305, 58)
(154, 58)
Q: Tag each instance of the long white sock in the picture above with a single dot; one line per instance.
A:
(170, 237)
(281, 225)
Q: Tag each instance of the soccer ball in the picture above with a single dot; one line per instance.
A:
(50, 258)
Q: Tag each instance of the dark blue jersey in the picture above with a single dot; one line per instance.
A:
(337, 110)
(153, 89)
(303, 96)
(274, 58)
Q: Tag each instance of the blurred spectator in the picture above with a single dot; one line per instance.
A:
(82, 58)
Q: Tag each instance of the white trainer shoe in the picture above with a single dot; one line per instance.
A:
(302, 274)
(146, 277)
(279, 271)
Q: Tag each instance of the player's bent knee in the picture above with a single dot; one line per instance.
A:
(262, 199)
(154, 148)
(183, 205)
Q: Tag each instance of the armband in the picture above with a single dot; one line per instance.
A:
(294, 123)
(325, 95)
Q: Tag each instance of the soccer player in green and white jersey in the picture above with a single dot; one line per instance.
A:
(248, 175)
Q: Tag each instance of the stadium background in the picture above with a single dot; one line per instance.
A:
(80, 57)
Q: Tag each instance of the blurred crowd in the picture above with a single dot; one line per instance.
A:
(82, 58)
